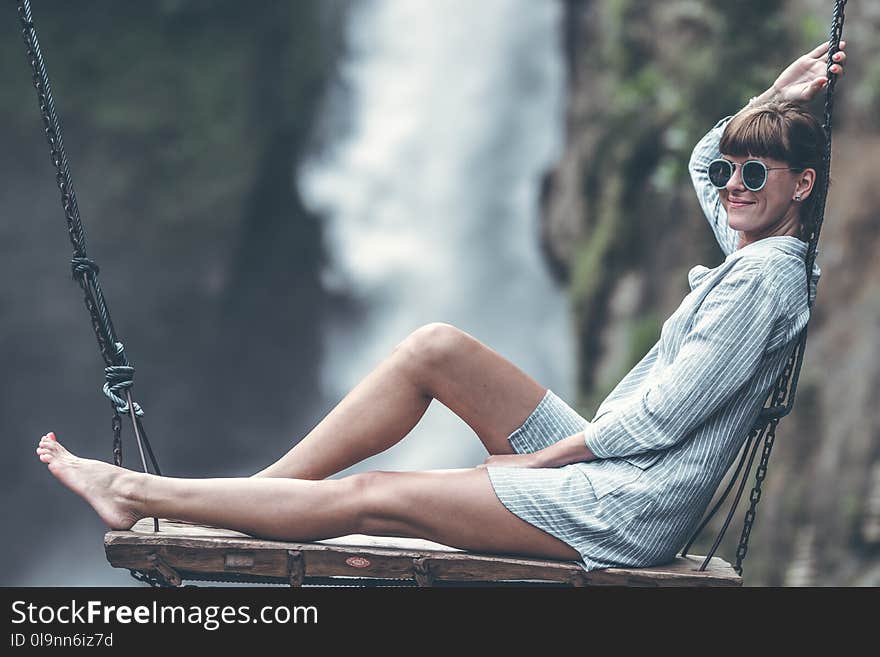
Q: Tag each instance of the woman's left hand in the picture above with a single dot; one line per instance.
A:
(807, 75)
(513, 461)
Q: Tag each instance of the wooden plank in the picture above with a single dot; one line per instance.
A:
(216, 551)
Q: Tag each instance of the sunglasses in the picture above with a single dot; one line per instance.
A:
(754, 173)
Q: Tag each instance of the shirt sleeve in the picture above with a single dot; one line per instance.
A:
(704, 152)
(720, 352)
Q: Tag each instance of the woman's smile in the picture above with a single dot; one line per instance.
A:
(738, 203)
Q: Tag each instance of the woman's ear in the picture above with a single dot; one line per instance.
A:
(805, 184)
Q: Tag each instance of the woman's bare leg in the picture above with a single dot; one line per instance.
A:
(454, 507)
(437, 361)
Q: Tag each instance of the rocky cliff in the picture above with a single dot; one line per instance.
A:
(621, 227)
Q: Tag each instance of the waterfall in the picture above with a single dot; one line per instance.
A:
(446, 115)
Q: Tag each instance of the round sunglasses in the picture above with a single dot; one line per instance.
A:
(754, 173)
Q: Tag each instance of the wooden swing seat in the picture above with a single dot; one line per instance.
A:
(184, 551)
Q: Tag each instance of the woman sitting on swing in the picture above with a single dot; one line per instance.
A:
(627, 488)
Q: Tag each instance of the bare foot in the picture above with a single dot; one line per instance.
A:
(108, 488)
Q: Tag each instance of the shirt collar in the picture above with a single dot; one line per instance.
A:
(785, 243)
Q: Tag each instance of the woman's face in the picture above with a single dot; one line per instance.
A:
(771, 210)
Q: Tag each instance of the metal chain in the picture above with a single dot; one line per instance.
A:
(117, 439)
(150, 577)
(85, 271)
(118, 372)
(155, 579)
(779, 393)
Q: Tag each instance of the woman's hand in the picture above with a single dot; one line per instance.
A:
(806, 76)
(513, 461)
(570, 449)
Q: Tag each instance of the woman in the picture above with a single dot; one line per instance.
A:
(624, 489)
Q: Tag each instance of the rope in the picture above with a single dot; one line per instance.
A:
(770, 416)
(118, 372)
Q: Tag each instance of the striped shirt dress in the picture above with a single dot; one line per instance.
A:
(669, 431)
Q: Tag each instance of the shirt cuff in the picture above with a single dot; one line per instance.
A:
(593, 436)
(722, 122)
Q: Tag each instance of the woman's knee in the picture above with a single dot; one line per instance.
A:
(375, 504)
(430, 347)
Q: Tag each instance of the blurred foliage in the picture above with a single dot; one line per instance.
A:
(655, 76)
(644, 332)
(648, 79)
(182, 84)
(184, 123)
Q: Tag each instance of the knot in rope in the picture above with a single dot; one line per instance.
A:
(81, 265)
(120, 378)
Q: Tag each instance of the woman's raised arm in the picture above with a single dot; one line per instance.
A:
(704, 152)
(799, 82)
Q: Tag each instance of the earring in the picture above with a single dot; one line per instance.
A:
(797, 197)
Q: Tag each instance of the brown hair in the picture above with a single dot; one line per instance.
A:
(783, 131)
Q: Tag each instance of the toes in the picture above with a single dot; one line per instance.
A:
(49, 449)
(50, 446)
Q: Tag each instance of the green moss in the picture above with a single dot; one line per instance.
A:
(641, 334)
(867, 94)
(644, 331)
(644, 87)
(668, 173)
(812, 29)
(587, 272)
(613, 27)
(673, 70)
(851, 511)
